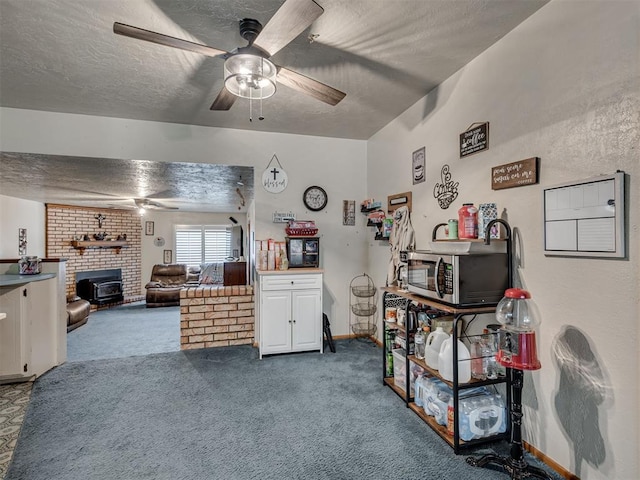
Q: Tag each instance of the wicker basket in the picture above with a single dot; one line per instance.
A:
(364, 309)
(364, 329)
(364, 291)
(301, 232)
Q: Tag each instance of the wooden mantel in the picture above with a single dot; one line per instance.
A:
(83, 244)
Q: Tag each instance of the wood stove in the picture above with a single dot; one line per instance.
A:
(100, 286)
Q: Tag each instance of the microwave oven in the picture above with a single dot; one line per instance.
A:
(463, 280)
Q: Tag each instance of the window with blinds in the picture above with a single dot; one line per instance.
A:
(197, 244)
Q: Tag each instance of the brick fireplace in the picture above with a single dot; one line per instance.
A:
(65, 233)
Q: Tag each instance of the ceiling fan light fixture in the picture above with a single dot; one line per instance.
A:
(250, 76)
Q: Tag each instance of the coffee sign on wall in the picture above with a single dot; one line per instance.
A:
(515, 174)
(475, 139)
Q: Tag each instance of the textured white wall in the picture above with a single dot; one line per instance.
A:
(563, 86)
(337, 165)
(16, 213)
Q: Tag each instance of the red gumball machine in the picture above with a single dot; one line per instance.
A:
(517, 351)
(519, 318)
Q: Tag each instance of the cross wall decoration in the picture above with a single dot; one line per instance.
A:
(274, 180)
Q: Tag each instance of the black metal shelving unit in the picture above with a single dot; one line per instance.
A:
(392, 296)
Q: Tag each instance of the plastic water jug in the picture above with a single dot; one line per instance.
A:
(432, 346)
(445, 361)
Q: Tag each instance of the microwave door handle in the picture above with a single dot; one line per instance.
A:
(435, 279)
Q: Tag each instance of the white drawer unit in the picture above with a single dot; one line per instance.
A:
(289, 312)
(291, 282)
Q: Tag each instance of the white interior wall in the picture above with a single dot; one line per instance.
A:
(563, 86)
(337, 165)
(16, 213)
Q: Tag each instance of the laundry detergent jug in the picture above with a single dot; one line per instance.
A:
(445, 361)
(432, 346)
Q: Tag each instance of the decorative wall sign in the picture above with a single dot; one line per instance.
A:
(166, 257)
(446, 191)
(148, 228)
(586, 218)
(22, 241)
(348, 212)
(418, 171)
(283, 217)
(274, 180)
(398, 200)
(474, 139)
(516, 174)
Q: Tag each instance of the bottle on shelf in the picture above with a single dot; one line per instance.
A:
(419, 343)
(445, 361)
(433, 345)
(468, 221)
(389, 369)
(483, 362)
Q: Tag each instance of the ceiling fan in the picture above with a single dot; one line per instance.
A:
(248, 71)
(146, 204)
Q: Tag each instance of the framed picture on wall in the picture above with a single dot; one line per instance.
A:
(418, 160)
(167, 257)
(148, 228)
(348, 212)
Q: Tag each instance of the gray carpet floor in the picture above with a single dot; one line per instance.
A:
(124, 331)
(222, 413)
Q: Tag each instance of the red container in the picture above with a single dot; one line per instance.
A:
(468, 221)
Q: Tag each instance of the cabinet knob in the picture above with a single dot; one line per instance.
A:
(291, 282)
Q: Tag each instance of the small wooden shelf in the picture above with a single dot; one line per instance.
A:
(84, 244)
(392, 383)
(471, 384)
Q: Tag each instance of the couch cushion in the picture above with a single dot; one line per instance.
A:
(212, 273)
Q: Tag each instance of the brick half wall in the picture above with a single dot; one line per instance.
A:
(215, 316)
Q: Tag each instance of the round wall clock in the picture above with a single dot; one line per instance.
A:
(158, 241)
(315, 198)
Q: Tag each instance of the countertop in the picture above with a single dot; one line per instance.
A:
(291, 271)
(7, 280)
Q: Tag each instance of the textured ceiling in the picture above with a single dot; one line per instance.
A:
(62, 56)
(110, 183)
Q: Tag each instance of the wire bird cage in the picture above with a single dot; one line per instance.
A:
(363, 306)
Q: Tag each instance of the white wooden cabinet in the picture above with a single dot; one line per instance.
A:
(290, 311)
(28, 332)
(15, 343)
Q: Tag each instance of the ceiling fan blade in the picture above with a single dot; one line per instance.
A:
(307, 85)
(293, 17)
(161, 39)
(224, 100)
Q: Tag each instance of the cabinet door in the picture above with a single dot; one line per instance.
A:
(41, 296)
(275, 322)
(307, 316)
(14, 333)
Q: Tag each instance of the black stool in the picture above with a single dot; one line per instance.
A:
(326, 328)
